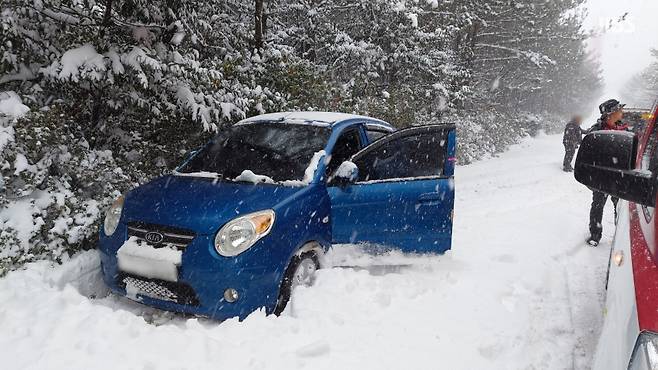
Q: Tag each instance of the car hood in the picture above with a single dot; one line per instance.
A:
(199, 204)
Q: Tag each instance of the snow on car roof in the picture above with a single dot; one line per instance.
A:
(319, 118)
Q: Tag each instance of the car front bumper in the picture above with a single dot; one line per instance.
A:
(203, 277)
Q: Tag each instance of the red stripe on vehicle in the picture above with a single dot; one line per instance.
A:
(645, 275)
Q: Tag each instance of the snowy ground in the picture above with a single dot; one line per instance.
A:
(519, 291)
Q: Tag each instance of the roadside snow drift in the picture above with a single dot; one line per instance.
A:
(520, 290)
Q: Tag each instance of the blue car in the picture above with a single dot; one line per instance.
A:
(245, 219)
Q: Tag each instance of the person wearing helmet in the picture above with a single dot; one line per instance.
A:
(573, 135)
(611, 115)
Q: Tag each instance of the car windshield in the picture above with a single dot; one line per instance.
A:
(280, 151)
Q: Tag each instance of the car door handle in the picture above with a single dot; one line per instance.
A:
(430, 198)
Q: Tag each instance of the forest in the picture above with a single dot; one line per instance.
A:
(115, 92)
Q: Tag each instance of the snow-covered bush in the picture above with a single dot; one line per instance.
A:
(54, 186)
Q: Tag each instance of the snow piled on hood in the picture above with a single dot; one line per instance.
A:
(250, 176)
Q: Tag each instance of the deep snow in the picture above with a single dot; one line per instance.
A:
(520, 290)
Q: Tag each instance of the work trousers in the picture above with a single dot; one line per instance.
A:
(569, 152)
(596, 214)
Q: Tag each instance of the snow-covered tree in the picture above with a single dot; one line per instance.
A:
(642, 89)
(119, 91)
(390, 59)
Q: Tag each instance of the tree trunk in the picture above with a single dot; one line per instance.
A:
(258, 24)
(97, 89)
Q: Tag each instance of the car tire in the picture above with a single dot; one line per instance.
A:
(300, 271)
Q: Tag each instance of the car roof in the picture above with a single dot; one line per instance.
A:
(331, 119)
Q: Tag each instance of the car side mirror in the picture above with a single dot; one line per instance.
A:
(346, 174)
(606, 162)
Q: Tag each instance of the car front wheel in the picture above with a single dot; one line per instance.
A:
(300, 272)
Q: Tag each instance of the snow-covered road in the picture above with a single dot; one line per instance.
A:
(519, 291)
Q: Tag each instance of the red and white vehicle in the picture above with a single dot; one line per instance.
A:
(625, 165)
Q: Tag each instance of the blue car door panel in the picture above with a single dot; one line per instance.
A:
(404, 196)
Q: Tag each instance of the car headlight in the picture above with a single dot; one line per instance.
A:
(241, 233)
(645, 354)
(112, 216)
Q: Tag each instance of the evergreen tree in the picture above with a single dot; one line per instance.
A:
(118, 91)
(642, 89)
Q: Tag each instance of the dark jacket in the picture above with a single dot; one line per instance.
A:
(573, 135)
(600, 125)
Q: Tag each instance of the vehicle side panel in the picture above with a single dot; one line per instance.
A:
(620, 328)
(421, 225)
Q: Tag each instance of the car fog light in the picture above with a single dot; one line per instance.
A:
(231, 295)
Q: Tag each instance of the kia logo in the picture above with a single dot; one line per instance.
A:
(154, 237)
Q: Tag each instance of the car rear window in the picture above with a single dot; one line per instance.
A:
(280, 151)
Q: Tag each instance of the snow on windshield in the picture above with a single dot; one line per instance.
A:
(250, 176)
(271, 152)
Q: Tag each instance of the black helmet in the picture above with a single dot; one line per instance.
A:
(609, 106)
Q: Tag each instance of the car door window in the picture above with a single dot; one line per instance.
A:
(348, 144)
(374, 134)
(419, 154)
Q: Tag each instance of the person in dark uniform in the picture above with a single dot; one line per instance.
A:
(611, 115)
(573, 135)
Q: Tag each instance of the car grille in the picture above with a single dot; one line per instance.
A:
(171, 236)
(159, 289)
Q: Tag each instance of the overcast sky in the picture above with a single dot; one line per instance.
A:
(624, 50)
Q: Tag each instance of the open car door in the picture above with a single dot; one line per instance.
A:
(404, 194)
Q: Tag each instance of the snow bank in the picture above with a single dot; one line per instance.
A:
(507, 296)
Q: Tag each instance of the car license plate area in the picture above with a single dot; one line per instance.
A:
(138, 258)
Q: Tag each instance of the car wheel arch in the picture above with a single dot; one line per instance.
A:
(311, 249)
